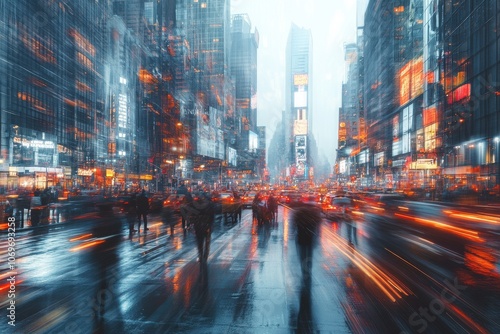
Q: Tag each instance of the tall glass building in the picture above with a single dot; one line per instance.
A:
(51, 92)
(209, 110)
(298, 101)
(244, 44)
(393, 81)
(470, 75)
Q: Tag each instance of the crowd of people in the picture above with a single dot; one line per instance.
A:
(199, 212)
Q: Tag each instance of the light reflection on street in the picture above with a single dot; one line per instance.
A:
(253, 277)
(383, 280)
(465, 233)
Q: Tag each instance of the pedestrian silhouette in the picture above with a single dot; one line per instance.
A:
(131, 212)
(272, 204)
(168, 218)
(201, 213)
(306, 218)
(107, 230)
(352, 232)
(142, 211)
(305, 322)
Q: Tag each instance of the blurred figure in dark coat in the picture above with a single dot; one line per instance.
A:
(107, 230)
(142, 202)
(168, 218)
(131, 212)
(306, 218)
(201, 214)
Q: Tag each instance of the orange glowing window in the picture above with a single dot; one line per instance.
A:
(41, 51)
(82, 42)
(460, 93)
(429, 116)
(82, 87)
(84, 60)
(37, 104)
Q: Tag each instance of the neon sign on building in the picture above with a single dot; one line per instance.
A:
(122, 110)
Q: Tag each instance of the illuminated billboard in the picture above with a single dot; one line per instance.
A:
(300, 79)
(210, 137)
(411, 80)
(232, 156)
(253, 141)
(300, 99)
(122, 110)
(301, 168)
(461, 93)
(424, 164)
(300, 154)
(300, 141)
(429, 116)
(342, 167)
(300, 127)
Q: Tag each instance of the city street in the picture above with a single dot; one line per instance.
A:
(393, 276)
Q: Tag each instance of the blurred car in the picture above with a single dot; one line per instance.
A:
(225, 202)
(289, 197)
(339, 208)
(311, 198)
(383, 203)
(247, 199)
(175, 202)
(156, 203)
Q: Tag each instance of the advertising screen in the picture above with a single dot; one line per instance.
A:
(300, 99)
(210, 138)
(232, 156)
(300, 79)
(300, 141)
(300, 154)
(253, 141)
(300, 127)
(411, 80)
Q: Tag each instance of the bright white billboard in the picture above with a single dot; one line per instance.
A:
(253, 141)
(300, 99)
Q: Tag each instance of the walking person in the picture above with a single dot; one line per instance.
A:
(202, 213)
(142, 210)
(352, 232)
(131, 212)
(168, 218)
(272, 204)
(107, 228)
(306, 218)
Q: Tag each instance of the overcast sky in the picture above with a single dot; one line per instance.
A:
(332, 24)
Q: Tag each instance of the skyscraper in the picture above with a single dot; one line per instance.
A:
(298, 100)
(244, 44)
(205, 26)
(51, 91)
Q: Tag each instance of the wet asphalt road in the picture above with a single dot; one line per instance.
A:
(399, 274)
